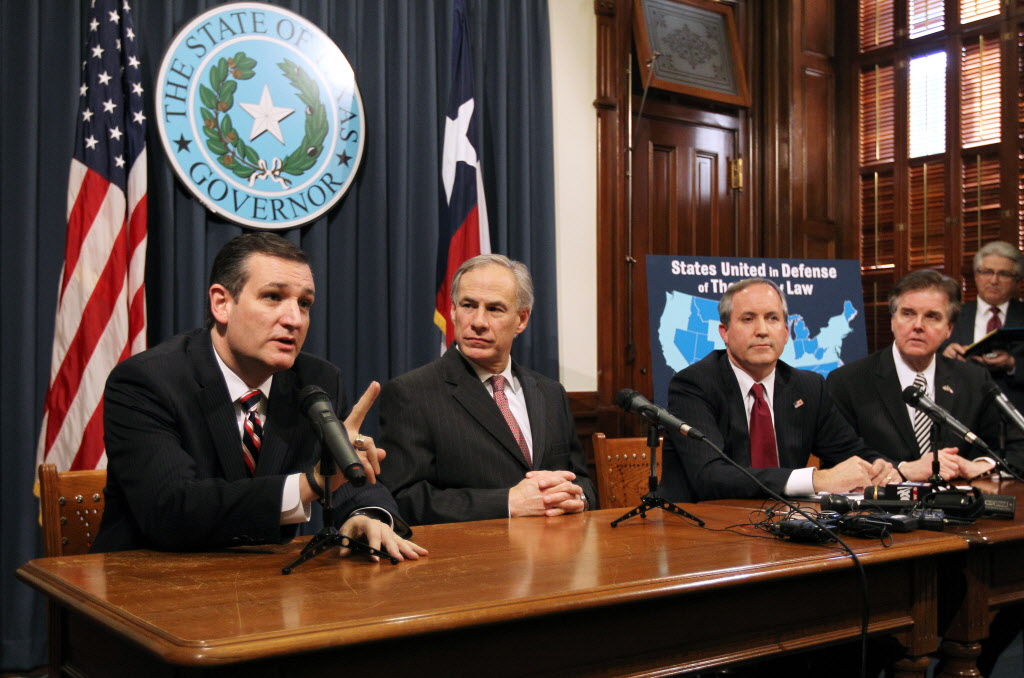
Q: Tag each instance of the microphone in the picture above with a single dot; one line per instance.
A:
(914, 396)
(315, 402)
(900, 491)
(633, 401)
(841, 504)
(1005, 406)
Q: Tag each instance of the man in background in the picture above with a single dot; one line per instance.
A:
(997, 271)
(475, 435)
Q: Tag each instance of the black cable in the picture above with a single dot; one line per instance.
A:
(866, 611)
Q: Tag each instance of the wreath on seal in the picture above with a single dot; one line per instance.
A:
(223, 140)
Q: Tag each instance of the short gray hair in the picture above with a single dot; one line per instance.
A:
(1003, 249)
(524, 281)
(725, 303)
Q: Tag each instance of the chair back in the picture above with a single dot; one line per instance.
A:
(72, 506)
(623, 470)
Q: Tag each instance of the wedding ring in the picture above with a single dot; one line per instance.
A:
(359, 442)
(888, 478)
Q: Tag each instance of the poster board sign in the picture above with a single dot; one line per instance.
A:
(826, 310)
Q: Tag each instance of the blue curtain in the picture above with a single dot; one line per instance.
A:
(373, 255)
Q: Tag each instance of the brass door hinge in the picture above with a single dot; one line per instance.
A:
(736, 174)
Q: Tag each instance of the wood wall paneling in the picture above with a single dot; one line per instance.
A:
(790, 204)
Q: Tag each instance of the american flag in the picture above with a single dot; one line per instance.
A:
(101, 309)
(463, 226)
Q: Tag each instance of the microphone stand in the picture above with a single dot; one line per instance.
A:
(936, 477)
(651, 500)
(328, 537)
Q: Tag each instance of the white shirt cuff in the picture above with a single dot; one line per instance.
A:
(292, 509)
(800, 482)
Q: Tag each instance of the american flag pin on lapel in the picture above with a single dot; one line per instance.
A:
(798, 403)
(947, 388)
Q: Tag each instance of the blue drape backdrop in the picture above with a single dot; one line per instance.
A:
(373, 255)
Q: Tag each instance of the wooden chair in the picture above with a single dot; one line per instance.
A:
(623, 469)
(72, 506)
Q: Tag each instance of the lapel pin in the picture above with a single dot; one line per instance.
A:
(947, 389)
(798, 403)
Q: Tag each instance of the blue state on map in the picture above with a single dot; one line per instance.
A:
(688, 331)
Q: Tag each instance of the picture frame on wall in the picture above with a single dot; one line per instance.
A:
(696, 48)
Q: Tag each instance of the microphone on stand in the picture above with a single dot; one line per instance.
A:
(317, 405)
(634, 401)
(1005, 406)
(915, 397)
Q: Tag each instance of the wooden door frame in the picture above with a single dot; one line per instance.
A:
(614, 61)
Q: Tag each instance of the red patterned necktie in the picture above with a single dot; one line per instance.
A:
(762, 432)
(994, 323)
(498, 384)
(252, 430)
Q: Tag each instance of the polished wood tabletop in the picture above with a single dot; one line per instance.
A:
(661, 591)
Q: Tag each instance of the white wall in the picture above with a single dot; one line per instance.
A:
(574, 78)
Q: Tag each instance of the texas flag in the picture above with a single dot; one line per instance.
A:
(463, 231)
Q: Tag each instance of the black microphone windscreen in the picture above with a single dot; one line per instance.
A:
(624, 398)
(912, 394)
(310, 395)
(835, 502)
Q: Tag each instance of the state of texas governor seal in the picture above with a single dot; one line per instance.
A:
(260, 115)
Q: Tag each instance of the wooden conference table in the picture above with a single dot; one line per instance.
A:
(975, 584)
(561, 596)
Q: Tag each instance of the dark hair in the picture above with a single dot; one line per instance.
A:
(926, 279)
(230, 267)
(725, 303)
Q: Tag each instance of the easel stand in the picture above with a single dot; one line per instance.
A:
(651, 500)
(328, 537)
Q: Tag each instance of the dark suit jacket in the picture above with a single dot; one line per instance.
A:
(175, 475)
(868, 394)
(963, 333)
(707, 396)
(450, 455)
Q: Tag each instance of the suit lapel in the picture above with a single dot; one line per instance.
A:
(218, 410)
(945, 384)
(737, 428)
(1015, 314)
(279, 430)
(782, 403)
(472, 395)
(536, 407)
(887, 388)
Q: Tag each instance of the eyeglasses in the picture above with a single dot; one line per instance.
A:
(1002, 275)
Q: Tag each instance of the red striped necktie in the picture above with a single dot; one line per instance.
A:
(252, 429)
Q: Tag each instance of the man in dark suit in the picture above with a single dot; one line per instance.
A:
(190, 468)
(474, 435)
(998, 267)
(765, 415)
(923, 305)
